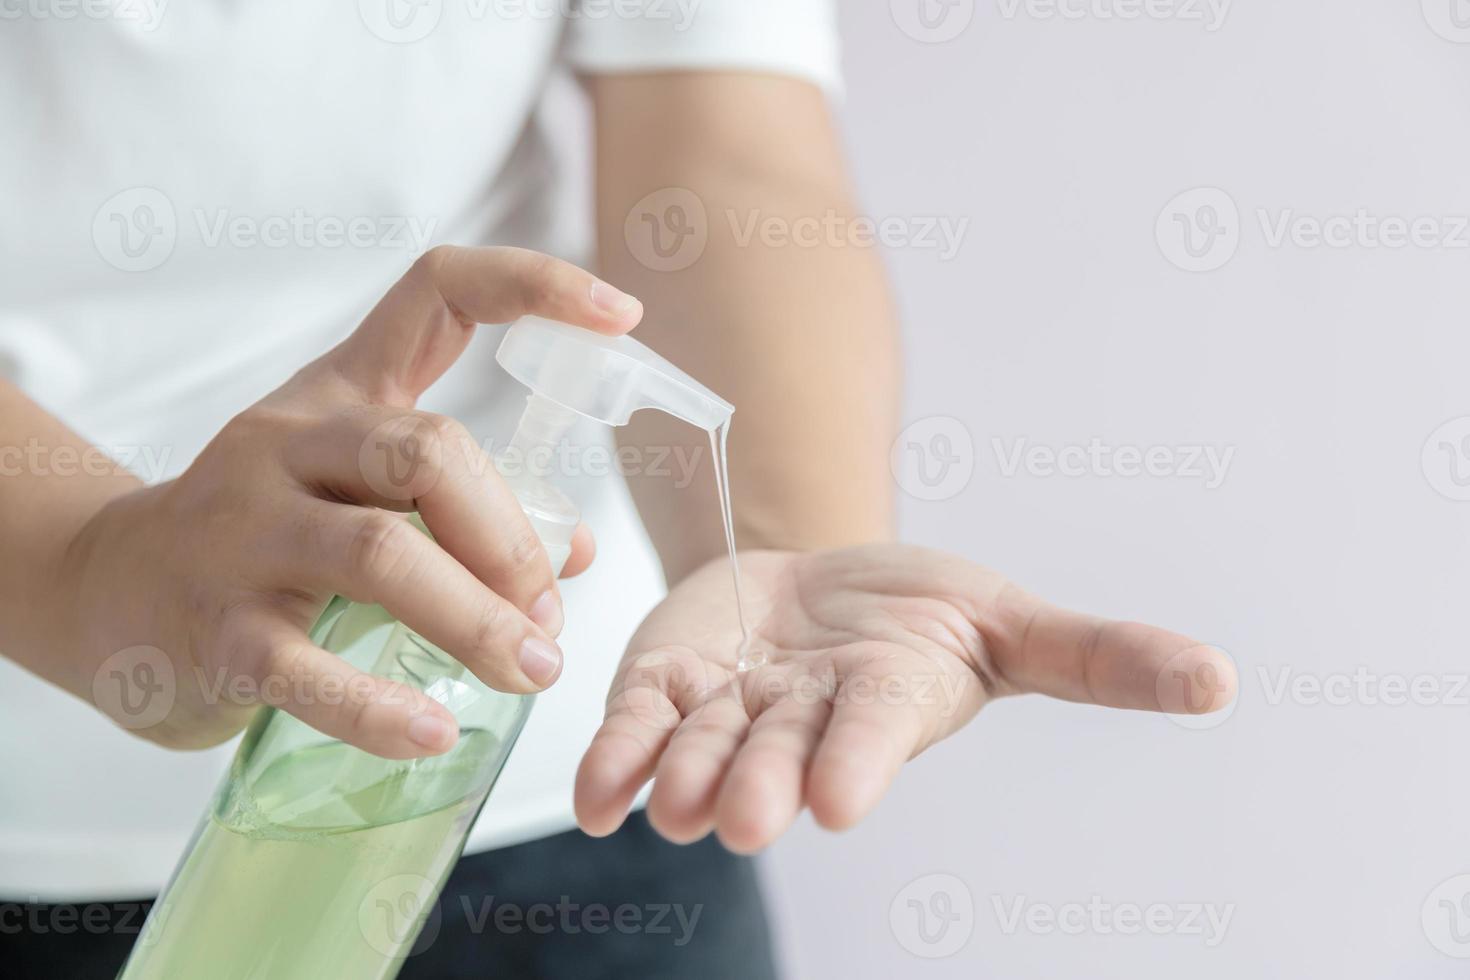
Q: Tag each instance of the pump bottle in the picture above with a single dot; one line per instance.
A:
(316, 859)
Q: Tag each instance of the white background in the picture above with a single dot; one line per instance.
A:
(1326, 549)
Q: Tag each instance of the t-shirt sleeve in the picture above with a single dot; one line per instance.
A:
(788, 37)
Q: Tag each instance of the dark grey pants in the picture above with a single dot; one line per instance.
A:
(632, 905)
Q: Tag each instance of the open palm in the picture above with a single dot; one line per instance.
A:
(873, 654)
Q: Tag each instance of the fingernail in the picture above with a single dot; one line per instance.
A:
(614, 301)
(540, 661)
(546, 612)
(431, 731)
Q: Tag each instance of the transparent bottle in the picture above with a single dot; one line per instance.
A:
(316, 859)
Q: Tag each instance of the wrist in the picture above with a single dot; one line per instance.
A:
(50, 622)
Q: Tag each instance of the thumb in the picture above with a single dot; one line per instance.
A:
(425, 321)
(1043, 649)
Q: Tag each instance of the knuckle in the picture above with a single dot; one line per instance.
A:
(282, 669)
(537, 279)
(252, 423)
(523, 550)
(380, 547)
(239, 665)
(243, 428)
(352, 714)
(432, 262)
(448, 428)
(256, 436)
(402, 457)
(240, 645)
(488, 625)
(451, 442)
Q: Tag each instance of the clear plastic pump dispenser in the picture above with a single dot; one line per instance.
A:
(605, 378)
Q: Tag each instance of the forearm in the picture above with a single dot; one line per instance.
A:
(51, 483)
(799, 336)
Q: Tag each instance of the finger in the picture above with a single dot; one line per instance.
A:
(646, 706)
(424, 322)
(620, 760)
(324, 691)
(765, 786)
(371, 556)
(868, 739)
(688, 776)
(1047, 650)
(405, 460)
(584, 550)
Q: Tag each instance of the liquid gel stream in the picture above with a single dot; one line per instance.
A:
(746, 658)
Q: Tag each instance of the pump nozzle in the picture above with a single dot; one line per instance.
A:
(608, 379)
(604, 378)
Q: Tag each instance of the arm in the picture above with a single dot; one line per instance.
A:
(801, 340)
(51, 483)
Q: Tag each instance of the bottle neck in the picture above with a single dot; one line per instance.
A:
(543, 425)
(523, 465)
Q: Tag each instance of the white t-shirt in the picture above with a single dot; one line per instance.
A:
(203, 196)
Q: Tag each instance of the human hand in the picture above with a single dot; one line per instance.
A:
(875, 653)
(224, 569)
